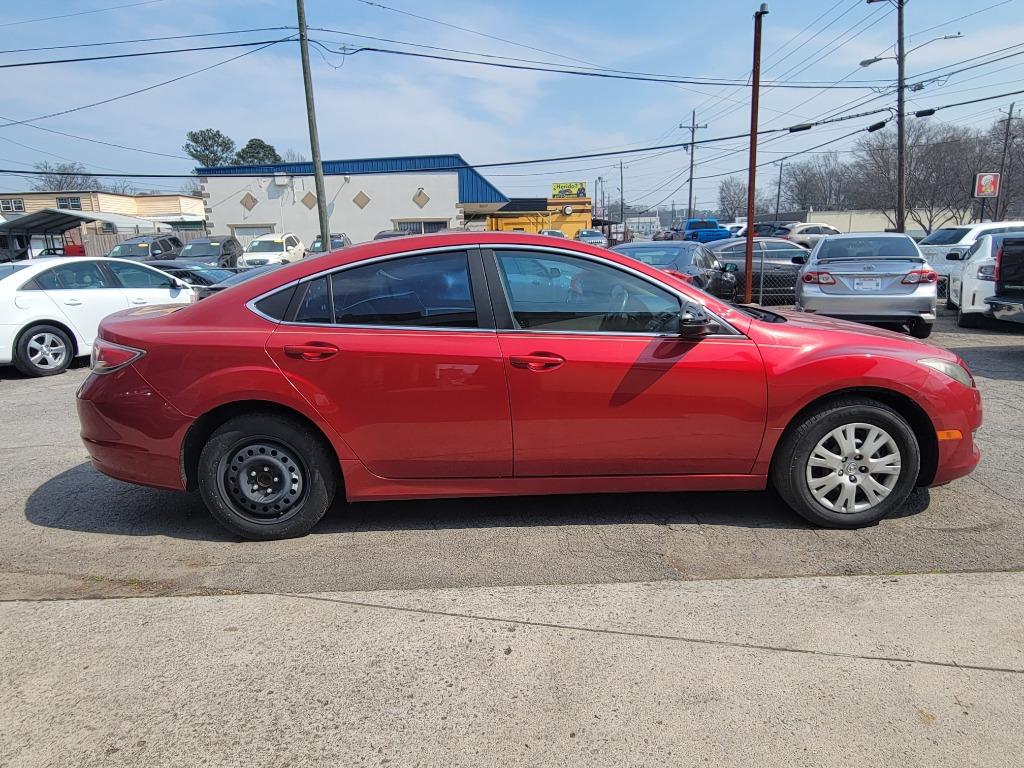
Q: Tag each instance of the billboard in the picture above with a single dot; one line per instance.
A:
(560, 189)
(986, 185)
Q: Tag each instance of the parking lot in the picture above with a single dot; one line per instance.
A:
(70, 532)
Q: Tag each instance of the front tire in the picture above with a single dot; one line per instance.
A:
(43, 350)
(847, 464)
(920, 329)
(265, 476)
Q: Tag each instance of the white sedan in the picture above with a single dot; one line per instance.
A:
(972, 279)
(50, 309)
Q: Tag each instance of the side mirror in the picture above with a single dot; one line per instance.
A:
(954, 256)
(156, 252)
(730, 267)
(799, 259)
(694, 322)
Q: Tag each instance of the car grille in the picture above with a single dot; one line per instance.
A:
(256, 262)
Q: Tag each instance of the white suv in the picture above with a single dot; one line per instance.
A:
(959, 239)
(972, 278)
(272, 249)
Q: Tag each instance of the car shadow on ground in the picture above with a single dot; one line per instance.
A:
(10, 373)
(994, 361)
(102, 505)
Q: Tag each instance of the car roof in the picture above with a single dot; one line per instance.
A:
(661, 244)
(862, 235)
(176, 263)
(274, 236)
(987, 225)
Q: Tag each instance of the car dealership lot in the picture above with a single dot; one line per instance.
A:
(70, 532)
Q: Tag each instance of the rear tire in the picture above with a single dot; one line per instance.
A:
(920, 329)
(43, 350)
(265, 476)
(968, 319)
(811, 469)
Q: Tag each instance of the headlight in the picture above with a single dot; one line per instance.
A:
(954, 371)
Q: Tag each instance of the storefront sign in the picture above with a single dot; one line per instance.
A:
(986, 185)
(569, 189)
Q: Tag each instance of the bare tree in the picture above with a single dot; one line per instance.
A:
(293, 156)
(192, 187)
(120, 187)
(820, 182)
(61, 177)
(732, 199)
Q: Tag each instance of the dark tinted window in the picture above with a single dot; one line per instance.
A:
(432, 290)
(81, 275)
(583, 295)
(132, 276)
(314, 302)
(946, 236)
(276, 304)
(867, 248)
(129, 251)
(661, 255)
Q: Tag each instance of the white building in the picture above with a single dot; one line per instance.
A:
(417, 194)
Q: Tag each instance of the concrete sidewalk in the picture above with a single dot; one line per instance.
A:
(904, 671)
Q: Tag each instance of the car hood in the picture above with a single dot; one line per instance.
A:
(814, 322)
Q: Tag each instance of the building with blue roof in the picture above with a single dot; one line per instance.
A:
(422, 193)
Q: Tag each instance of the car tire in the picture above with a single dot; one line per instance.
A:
(793, 470)
(920, 329)
(43, 350)
(967, 319)
(293, 471)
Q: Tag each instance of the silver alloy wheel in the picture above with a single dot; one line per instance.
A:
(47, 351)
(853, 468)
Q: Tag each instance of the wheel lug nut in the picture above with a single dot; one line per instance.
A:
(863, 469)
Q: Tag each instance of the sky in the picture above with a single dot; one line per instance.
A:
(374, 105)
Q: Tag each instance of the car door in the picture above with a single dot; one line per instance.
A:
(600, 384)
(84, 293)
(401, 357)
(958, 268)
(143, 285)
(293, 248)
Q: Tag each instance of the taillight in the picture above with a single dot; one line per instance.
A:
(999, 260)
(987, 272)
(818, 278)
(108, 357)
(917, 276)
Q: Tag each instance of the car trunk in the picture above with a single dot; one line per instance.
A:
(1011, 269)
(866, 276)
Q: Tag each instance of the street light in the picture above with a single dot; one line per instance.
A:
(876, 59)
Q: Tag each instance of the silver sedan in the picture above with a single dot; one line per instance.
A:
(870, 278)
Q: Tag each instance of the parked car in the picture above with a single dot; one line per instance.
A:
(275, 396)
(240, 276)
(50, 308)
(592, 237)
(704, 230)
(198, 275)
(870, 278)
(1008, 302)
(338, 240)
(687, 260)
(222, 251)
(764, 228)
(774, 274)
(272, 249)
(147, 247)
(736, 228)
(972, 279)
(552, 232)
(945, 240)
(805, 235)
(386, 234)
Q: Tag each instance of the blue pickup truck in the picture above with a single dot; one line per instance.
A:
(705, 230)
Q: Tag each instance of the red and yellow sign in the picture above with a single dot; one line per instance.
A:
(986, 185)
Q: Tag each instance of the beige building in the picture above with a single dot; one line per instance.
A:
(180, 210)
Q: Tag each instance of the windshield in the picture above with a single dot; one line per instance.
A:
(335, 243)
(199, 275)
(196, 250)
(867, 248)
(129, 250)
(946, 236)
(590, 233)
(265, 246)
(661, 256)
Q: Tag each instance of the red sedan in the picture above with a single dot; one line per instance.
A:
(488, 364)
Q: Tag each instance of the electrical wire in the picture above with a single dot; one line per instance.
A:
(146, 39)
(80, 13)
(135, 54)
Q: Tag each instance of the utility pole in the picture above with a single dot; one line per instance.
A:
(755, 87)
(622, 203)
(778, 190)
(1002, 163)
(693, 150)
(314, 136)
(901, 122)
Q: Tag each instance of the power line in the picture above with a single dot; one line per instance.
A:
(80, 13)
(142, 90)
(135, 54)
(145, 40)
(99, 141)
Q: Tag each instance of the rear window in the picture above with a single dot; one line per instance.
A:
(129, 251)
(659, 257)
(867, 248)
(946, 236)
(198, 250)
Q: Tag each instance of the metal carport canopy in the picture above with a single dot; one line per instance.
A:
(57, 221)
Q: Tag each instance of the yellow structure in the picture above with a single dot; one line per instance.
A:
(534, 214)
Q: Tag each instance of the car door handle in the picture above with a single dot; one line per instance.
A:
(73, 303)
(314, 350)
(139, 301)
(538, 361)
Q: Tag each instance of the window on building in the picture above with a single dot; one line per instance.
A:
(420, 227)
(12, 205)
(70, 203)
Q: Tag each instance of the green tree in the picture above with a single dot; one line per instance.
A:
(209, 147)
(257, 152)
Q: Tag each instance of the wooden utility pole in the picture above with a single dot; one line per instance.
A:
(314, 136)
(693, 150)
(1002, 164)
(622, 203)
(755, 87)
(778, 190)
(901, 122)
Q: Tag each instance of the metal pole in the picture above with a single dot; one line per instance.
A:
(778, 191)
(901, 124)
(1002, 163)
(755, 87)
(314, 136)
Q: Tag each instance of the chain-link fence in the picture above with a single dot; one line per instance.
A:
(773, 273)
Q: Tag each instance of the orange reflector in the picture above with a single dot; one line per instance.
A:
(949, 434)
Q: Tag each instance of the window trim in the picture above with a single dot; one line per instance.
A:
(69, 206)
(15, 202)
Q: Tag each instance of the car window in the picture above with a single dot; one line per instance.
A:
(829, 231)
(658, 256)
(946, 236)
(83, 275)
(314, 304)
(291, 242)
(134, 276)
(782, 250)
(974, 248)
(735, 251)
(583, 295)
(418, 291)
(867, 247)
